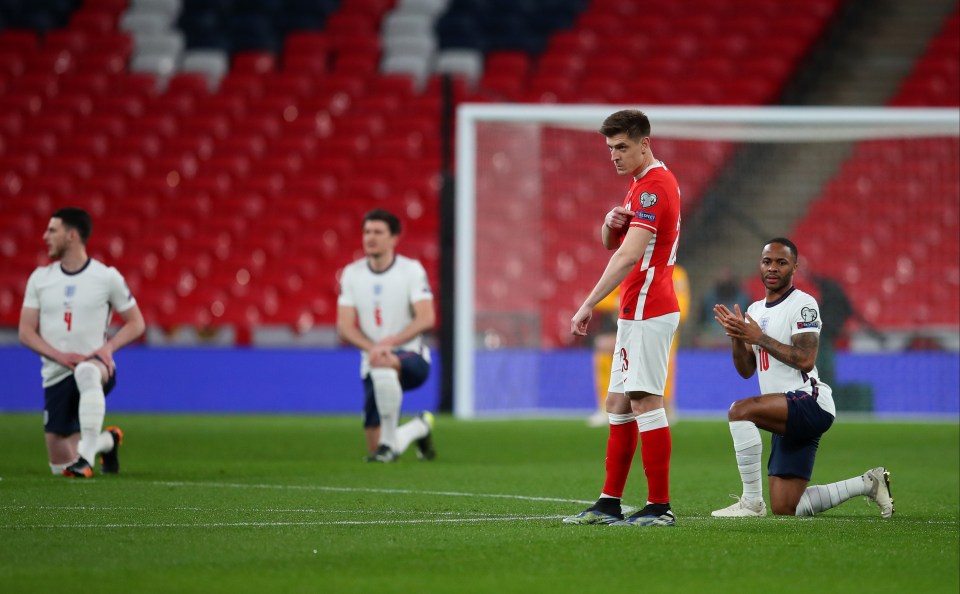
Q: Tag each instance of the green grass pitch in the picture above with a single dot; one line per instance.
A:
(285, 504)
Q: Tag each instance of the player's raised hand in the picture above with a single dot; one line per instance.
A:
(751, 329)
(723, 315)
(731, 321)
(618, 218)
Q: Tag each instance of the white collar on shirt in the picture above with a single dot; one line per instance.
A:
(644, 172)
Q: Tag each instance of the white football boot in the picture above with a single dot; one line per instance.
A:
(878, 489)
(743, 508)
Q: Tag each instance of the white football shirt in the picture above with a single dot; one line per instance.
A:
(75, 309)
(384, 300)
(794, 313)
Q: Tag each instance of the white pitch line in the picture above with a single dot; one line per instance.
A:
(245, 509)
(279, 524)
(483, 518)
(473, 520)
(367, 490)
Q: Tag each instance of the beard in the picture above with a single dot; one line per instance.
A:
(56, 252)
(782, 283)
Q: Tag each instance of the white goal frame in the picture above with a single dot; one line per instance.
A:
(782, 124)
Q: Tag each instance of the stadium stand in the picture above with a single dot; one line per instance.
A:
(219, 143)
(905, 293)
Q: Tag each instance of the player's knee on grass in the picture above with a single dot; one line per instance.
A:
(781, 508)
(785, 494)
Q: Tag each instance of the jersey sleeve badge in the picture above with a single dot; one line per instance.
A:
(809, 318)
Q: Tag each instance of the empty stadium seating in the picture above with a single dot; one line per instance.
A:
(228, 148)
(901, 267)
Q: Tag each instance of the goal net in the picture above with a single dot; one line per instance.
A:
(869, 195)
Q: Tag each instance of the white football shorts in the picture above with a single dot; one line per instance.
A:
(642, 354)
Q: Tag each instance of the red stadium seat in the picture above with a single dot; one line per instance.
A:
(40, 144)
(173, 104)
(94, 21)
(136, 84)
(503, 86)
(507, 63)
(11, 63)
(363, 61)
(66, 39)
(252, 146)
(306, 43)
(234, 107)
(85, 83)
(77, 166)
(293, 84)
(196, 85)
(79, 106)
(313, 64)
(19, 41)
(241, 85)
(258, 63)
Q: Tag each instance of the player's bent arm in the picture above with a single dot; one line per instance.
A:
(743, 358)
(802, 354)
(132, 329)
(609, 237)
(347, 328)
(621, 263)
(424, 319)
(615, 225)
(29, 334)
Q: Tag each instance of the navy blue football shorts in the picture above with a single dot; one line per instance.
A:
(793, 454)
(414, 371)
(61, 403)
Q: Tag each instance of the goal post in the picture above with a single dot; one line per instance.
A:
(533, 183)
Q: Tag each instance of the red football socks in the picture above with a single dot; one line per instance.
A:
(621, 446)
(655, 451)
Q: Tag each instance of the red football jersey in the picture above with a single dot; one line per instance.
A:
(647, 292)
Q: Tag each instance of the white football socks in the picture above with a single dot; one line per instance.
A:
(409, 432)
(748, 446)
(388, 395)
(104, 443)
(819, 498)
(92, 408)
